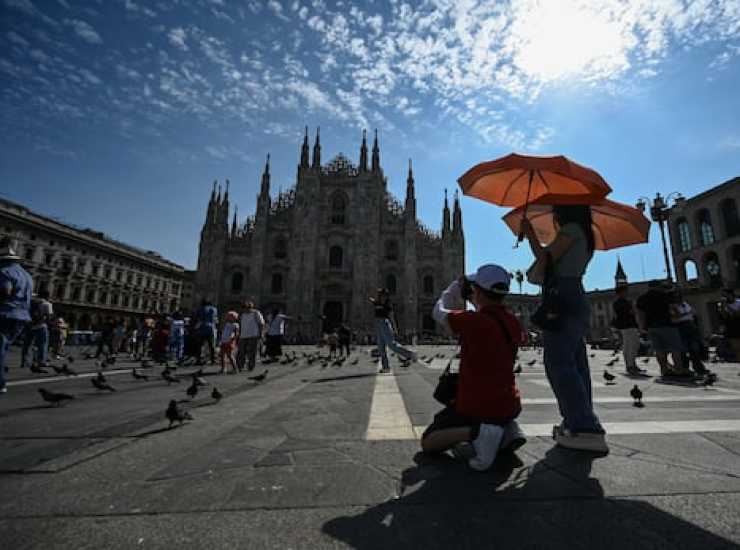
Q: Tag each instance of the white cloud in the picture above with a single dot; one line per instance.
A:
(15, 38)
(177, 38)
(277, 8)
(84, 30)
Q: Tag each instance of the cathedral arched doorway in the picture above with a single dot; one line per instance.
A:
(333, 315)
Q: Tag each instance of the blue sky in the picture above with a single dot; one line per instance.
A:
(119, 114)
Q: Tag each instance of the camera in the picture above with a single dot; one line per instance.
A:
(466, 288)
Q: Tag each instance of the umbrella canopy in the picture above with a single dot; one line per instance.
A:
(515, 180)
(614, 224)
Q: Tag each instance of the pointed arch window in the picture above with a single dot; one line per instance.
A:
(391, 284)
(706, 231)
(336, 257)
(428, 284)
(338, 206)
(684, 235)
(391, 250)
(730, 217)
(237, 282)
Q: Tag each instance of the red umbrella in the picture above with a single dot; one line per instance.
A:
(614, 224)
(516, 180)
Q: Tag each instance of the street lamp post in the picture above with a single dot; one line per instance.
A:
(659, 212)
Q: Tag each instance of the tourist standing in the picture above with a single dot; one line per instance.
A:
(626, 323)
(251, 326)
(275, 334)
(487, 400)
(37, 334)
(229, 337)
(106, 337)
(566, 360)
(729, 310)
(207, 320)
(60, 331)
(385, 334)
(119, 335)
(683, 317)
(654, 317)
(177, 336)
(345, 337)
(16, 288)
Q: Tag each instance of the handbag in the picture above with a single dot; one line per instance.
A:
(548, 314)
(446, 389)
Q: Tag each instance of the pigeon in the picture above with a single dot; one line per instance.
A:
(192, 390)
(709, 379)
(636, 394)
(215, 394)
(532, 362)
(198, 380)
(54, 398)
(518, 368)
(138, 376)
(101, 378)
(429, 361)
(615, 352)
(174, 414)
(357, 359)
(167, 375)
(609, 377)
(592, 355)
(259, 377)
(101, 385)
(646, 360)
(610, 363)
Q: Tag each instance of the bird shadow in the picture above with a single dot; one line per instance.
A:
(157, 431)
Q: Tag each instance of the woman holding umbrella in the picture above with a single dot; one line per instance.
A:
(566, 363)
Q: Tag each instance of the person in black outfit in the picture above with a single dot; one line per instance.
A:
(106, 337)
(626, 323)
(345, 336)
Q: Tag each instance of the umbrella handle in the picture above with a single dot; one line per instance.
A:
(520, 237)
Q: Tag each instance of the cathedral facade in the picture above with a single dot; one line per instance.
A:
(320, 249)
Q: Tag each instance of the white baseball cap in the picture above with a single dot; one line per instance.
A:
(492, 278)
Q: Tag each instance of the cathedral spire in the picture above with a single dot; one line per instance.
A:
(316, 152)
(363, 152)
(226, 195)
(410, 206)
(457, 216)
(376, 154)
(304, 150)
(446, 218)
(620, 277)
(233, 224)
(265, 189)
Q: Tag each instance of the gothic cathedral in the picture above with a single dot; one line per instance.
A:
(320, 249)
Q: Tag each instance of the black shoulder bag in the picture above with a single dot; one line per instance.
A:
(547, 316)
(446, 389)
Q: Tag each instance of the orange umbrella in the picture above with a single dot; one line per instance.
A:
(515, 180)
(614, 224)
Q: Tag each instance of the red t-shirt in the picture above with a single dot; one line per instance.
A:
(487, 386)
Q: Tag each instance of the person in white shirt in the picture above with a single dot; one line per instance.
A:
(251, 325)
(229, 337)
(683, 318)
(38, 332)
(177, 336)
(275, 333)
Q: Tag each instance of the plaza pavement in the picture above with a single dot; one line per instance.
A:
(328, 458)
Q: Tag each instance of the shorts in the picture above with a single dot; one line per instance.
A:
(449, 418)
(228, 348)
(666, 339)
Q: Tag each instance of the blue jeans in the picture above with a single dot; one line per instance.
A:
(177, 344)
(10, 330)
(566, 360)
(385, 338)
(40, 338)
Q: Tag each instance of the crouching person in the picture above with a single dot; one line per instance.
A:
(487, 399)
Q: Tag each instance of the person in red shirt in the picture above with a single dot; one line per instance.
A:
(487, 399)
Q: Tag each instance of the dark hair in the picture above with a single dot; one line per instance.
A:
(580, 214)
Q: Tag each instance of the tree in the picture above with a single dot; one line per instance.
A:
(519, 277)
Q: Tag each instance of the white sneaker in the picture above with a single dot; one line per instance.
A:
(580, 441)
(513, 437)
(486, 446)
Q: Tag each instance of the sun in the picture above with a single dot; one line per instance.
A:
(555, 39)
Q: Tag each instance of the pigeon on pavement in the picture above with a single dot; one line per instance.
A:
(636, 394)
(259, 377)
(101, 384)
(215, 394)
(167, 375)
(174, 414)
(609, 377)
(138, 376)
(532, 362)
(54, 398)
(192, 390)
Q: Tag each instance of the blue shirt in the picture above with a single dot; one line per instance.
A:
(18, 304)
(208, 316)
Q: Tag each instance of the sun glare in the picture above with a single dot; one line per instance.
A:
(558, 39)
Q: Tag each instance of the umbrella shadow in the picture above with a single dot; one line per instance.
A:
(551, 504)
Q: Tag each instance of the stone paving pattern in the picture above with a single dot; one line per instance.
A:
(286, 464)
